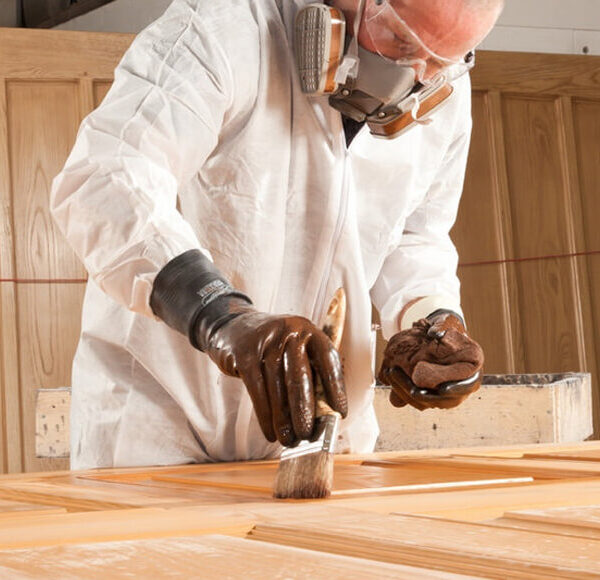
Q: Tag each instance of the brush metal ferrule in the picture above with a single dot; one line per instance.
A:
(330, 424)
(325, 438)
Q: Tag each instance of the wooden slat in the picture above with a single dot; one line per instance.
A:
(539, 468)
(479, 236)
(100, 90)
(586, 132)
(10, 419)
(510, 307)
(39, 54)
(209, 557)
(477, 233)
(444, 545)
(534, 526)
(580, 516)
(103, 526)
(537, 74)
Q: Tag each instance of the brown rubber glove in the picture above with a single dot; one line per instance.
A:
(432, 364)
(276, 356)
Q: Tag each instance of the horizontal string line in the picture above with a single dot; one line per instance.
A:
(45, 280)
(532, 259)
(460, 265)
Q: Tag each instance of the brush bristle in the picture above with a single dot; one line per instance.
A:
(306, 477)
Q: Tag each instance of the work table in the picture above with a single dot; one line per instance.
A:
(505, 512)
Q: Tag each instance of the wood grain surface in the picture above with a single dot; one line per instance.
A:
(352, 479)
(57, 54)
(157, 521)
(209, 557)
(493, 552)
(531, 193)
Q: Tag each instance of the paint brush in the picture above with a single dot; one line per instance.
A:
(306, 471)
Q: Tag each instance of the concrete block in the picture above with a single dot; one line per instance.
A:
(507, 410)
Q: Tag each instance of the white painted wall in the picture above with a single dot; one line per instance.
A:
(526, 25)
(563, 26)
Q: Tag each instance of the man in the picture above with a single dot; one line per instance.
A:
(217, 207)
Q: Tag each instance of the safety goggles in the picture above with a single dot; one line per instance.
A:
(394, 40)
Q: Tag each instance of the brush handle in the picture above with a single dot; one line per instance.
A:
(333, 327)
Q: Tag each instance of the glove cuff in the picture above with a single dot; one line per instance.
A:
(442, 311)
(194, 298)
(424, 306)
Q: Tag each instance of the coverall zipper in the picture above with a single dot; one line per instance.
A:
(343, 210)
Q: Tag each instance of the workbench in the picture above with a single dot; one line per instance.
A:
(505, 512)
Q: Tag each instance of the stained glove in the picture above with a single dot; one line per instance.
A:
(432, 364)
(276, 356)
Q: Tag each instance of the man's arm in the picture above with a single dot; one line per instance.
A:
(419, 275)
(429, 361)
(116, 198)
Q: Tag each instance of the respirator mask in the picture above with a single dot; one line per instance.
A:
(397, 84)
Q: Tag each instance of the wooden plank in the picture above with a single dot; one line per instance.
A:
(537, 74)
(479, 505)
(586, 134)
(574, 225)
(85, 497)
(12, 508)
(534, 526)
(114, 525)
(211, 557)
(579, 455)
(513, 337)
(59, 54)
(480, 235)
(438, 544)
(10, 417)
(585, 516)
(538, 468)
(477, 232)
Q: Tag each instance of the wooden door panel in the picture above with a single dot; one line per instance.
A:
(100, 90)
(586, 116)
(43, 120)
(49, 323)
(535, 177)
(481, 287)
(477, 230)
(548, 316)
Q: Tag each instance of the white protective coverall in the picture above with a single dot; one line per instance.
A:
(206, 141)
